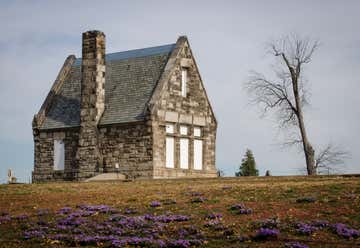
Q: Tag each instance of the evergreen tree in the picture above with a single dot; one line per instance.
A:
(248, 165)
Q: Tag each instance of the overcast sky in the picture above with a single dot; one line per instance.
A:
(227, 39)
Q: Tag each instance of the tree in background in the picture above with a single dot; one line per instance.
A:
(248, 165)
(286, 93)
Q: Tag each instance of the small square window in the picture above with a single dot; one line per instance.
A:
(183, 130)
(169, 128)
(197, 131)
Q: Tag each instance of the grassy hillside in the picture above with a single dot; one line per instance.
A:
(231, 212)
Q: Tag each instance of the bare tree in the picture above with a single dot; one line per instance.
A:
(328, 158)
(286, 94)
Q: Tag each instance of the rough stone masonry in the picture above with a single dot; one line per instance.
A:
(143, 113)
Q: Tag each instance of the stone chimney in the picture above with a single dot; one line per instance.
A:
(92, 103)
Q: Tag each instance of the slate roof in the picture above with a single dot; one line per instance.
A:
(130, 79)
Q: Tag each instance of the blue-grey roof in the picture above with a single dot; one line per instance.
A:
(130, 79)
(143, 52)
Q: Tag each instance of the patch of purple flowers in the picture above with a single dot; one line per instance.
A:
(295, 245)
(267, 223)
(344, 231)
(97, 208)
(213, 216)
(21, 217)
(215, 224)
(320, 224)
(76, 227)
(167, 218)
(267, 233)
(137, 241)
(4, 217)
(240, 209)
(305, 229)
(190, 230)
(237, 206)
(33, 234)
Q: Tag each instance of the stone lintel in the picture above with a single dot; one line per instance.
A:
(199, 120)
(59, 135)
(171, 116)
(185, 119)
(184, 62)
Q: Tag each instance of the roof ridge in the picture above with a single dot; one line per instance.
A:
(135, 53)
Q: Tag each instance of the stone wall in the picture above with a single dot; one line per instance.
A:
(44, 155)
(194, 110)
(129, 146)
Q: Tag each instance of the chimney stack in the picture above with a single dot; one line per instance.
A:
(92, 103)
(92, 76)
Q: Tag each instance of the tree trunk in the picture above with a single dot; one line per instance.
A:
(308, 149)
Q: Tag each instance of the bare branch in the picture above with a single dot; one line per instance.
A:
(272, 95)
(330, 157)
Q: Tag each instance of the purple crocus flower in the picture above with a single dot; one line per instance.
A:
(213, 216)
(267, 233)
(21, 217)
(4, 219)
(213, 223)
(239, 208)
(245, 211)
(196, 193)
(155, 204)
(320, 224)
(180, 243)
(305, 229)
(130, 211)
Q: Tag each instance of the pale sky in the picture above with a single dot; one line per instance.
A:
(227, 39)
